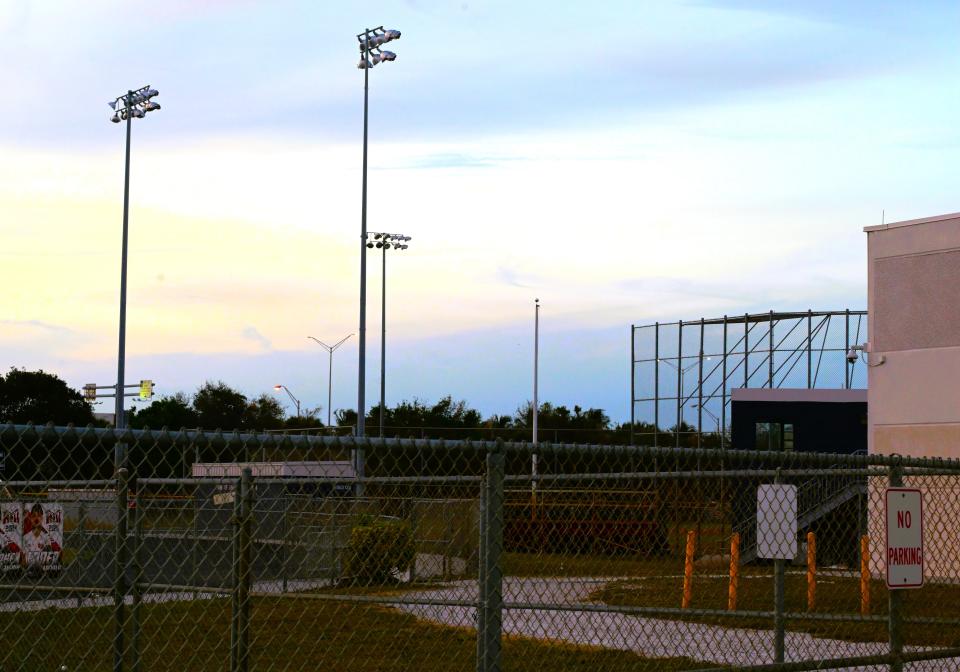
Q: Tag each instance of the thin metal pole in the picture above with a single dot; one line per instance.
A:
(357, 452)
(120, 570)
(746, 350)
(770, 358)
(362, 365)
(383, 339)
(536, 408)
(809, 349)
(135, 611)
(779, 623)
(895, 598)
(846, 349)
(700, 387)
(329, 385)
(492, 583)
(679, 381)
(119, 420)
(656, 383)
(633, 376)
(723, 387)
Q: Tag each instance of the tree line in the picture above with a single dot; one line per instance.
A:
(41, 397)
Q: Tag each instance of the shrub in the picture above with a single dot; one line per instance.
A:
(379, 551)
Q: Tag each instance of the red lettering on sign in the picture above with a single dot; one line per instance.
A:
(905, 556)
(904, 519)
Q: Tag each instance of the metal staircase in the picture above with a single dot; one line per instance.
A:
(816, 498)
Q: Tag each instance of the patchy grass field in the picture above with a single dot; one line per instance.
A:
(286, 634)
(836, 593)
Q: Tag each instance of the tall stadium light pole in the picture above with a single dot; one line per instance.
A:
(384, 242)
(135, 103)
(278, 388)
(330, 350)
(370, 55)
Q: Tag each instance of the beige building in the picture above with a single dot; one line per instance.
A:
(914, 350)
(914, 375)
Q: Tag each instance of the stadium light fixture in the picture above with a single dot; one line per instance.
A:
(369, 48)
(386, 241)
(133, 104)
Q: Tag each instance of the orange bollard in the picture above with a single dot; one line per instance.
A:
(811, 571)
(734, 571)
(688, 569)
(865, 575)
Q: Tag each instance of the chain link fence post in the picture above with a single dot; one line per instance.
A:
(895, 597)
(491, 572)
(240, 621)
(779, 622)
(135, 586)
(120, 570)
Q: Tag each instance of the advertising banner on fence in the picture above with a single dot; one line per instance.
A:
(42, 537)
(10, 546)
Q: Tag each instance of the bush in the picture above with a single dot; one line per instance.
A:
(379, 552)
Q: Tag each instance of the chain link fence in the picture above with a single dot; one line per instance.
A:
(156, 551)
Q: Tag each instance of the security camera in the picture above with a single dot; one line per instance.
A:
(853, 354)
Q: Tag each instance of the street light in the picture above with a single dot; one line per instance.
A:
(715, 419)
(278, 388)
(132, 104)
(330, 349)
(680, 400)
(370, 43)
(385, 241)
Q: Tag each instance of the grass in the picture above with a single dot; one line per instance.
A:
(286, 634)
(835, 594)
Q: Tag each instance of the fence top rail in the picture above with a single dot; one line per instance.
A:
(217, 439)
(756, 317)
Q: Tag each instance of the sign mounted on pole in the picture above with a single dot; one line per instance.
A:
(904, 552)
(146, 389)
(777, 521)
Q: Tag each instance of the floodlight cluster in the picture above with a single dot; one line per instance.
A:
(371, 42)
(134, 104)
(397, 241)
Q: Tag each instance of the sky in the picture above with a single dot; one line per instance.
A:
(623, 162)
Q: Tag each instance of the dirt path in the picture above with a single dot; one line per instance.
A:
(649, 637)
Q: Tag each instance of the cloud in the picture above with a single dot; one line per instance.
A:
(252, 334)
(39, 325)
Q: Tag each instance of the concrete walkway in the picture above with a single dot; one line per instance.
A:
(648, 637)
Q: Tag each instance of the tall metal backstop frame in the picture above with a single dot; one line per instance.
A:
(682, 373)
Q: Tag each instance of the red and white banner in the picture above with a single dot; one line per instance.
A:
(42, 538)
(11, 520)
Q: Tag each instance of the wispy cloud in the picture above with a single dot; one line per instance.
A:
(46, 327)
(251, 334)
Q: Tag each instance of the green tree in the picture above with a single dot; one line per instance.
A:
(264, 412)
(40, 397)
(173, 412)
(219, 406)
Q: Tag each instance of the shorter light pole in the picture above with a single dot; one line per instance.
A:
(680, 401)
(384, 242)
(277, 388)
(330, 350)
(715, 419)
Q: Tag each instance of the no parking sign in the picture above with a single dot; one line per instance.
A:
(904, 556)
